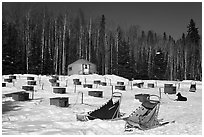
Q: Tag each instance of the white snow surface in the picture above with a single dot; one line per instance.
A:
(38, 117)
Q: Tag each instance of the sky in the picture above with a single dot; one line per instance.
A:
(169, 17)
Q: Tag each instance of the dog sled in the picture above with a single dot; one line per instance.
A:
(144, 117)
(109, 111)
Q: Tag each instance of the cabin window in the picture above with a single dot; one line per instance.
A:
(70, 68)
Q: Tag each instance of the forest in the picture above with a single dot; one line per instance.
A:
(38, 41)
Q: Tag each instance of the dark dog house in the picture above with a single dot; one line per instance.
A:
(169, 88)
(55, 77)
(120, 83)
(3, 84)
(55, 84)
(142, 97)
(28, 88)
(12, 77)
(8, 80)
(77, 82)
(31, 82)
(120, 87)
(30, 78)
(97, 82)
(88, 85)
(59, 90)
(150, 85)
(192, 88)
(139, 85)
(52, 80)
(96, 93)
(103, 84)
(20, 96)
(60, 101)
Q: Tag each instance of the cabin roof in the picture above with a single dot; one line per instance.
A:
(81, 61)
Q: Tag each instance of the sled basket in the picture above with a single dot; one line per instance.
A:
(110, 110)
(144, 117)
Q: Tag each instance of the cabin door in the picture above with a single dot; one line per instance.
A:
(85, 68)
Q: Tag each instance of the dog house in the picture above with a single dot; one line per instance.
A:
(139, 85)
(55, 84)
(60, 101)
(3, 84)
(103, 83)
(82, 67)
(88, 85)
(150, 85)
(31, 82)
(8, 80)
(59, 90)
(97, 82)
(95, 93)
(192, 88)
(30, 78)
(120, 87)
(169, 88)
(120, 83)
(12, 77)
(28, 88)
(20, 96)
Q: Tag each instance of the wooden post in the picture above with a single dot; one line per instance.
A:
(42, 85)
(85, 80)
(110, 81)
(160, 93)
(74, 87)
(179, 85)
(33, 94)
(131, 84)
(82, 97)
(39, 80)
(66, 83)
(112, 90)
(13, 82)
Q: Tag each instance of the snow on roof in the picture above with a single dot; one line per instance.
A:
(81, 61)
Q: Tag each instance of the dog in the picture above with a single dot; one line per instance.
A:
(180, 97)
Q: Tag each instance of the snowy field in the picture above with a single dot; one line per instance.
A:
(38, 117)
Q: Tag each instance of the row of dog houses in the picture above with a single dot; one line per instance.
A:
(63, 101)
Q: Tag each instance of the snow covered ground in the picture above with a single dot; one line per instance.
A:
(38, 117)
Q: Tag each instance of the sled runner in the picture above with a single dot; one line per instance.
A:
(110, 110)
(144, 117)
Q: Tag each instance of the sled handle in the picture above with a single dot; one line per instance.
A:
(120, 94)
(154, 100)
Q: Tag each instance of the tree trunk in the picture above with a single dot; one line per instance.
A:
(63, 46)
(43, 44)
(90, 40)
(185, 64)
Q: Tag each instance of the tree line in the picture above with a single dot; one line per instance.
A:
(39, 42)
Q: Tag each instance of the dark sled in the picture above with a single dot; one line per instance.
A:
(109, 111)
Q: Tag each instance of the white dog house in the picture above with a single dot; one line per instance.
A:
(82, 67)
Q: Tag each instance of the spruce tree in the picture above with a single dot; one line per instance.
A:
(193, 51)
